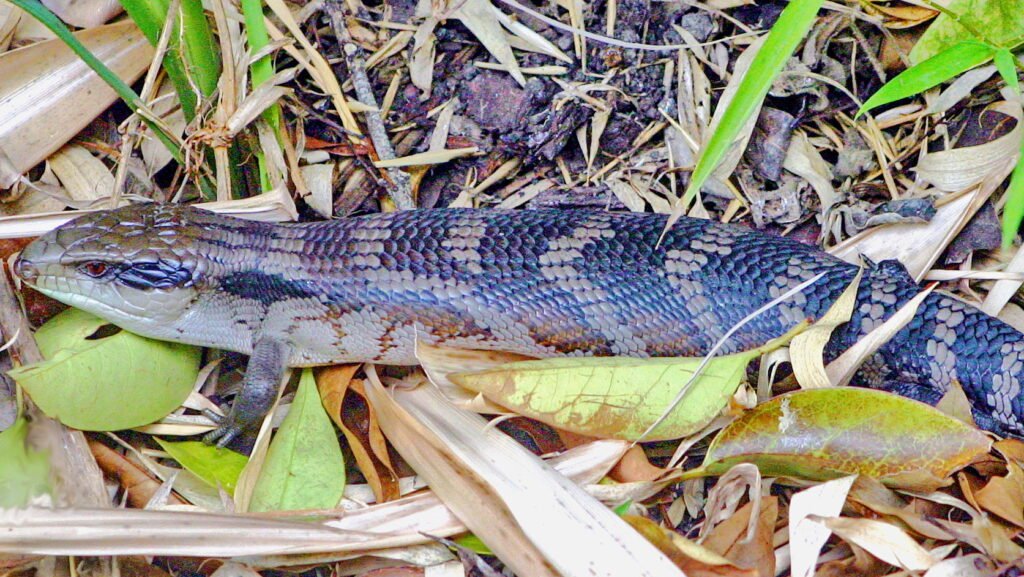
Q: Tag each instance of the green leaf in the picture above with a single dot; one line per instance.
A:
(25, 473)
(1013, 210)
(787, 33)
(944, 66)
(474, 544)
(216, 466)
(304, 468)
(614, 397)
(1006, 64)
(822, 434)
(106, 383)
(998, 23)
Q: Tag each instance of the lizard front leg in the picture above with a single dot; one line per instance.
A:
(263, 375)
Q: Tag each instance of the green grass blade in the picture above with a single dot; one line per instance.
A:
(784, 37)
(1004, 61)
(944, 66)
(149, 16)
(35, 9)
(1013, 211)
(261, 71)
(202, 54)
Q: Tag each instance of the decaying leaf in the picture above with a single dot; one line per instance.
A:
(806, 350)
(47, 94)
(827, 433)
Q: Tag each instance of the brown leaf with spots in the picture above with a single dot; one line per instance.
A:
(728, 538)
(339, 391)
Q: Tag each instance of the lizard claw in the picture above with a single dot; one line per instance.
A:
(227, 429)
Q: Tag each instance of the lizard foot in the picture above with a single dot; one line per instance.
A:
(228, 428)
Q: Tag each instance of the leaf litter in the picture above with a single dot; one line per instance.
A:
(611, 104)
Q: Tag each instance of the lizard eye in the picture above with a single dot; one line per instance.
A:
(95, 268)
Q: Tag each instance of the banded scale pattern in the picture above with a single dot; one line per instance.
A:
(542, 282)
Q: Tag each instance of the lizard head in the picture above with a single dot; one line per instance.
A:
(134, 266)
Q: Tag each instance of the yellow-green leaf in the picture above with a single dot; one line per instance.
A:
(613, 397)
(822, 434)
(304, 467)
(997, 22)
(96, 381)
(25, 473)
(216, 466)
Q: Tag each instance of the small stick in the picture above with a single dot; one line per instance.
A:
(401, 191)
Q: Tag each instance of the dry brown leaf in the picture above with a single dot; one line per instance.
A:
(1003, 290)
(960, 168)
(320, 180)
(807, 537)
(730, 538)
(886, 542)
(537, 522)
(48, 95)
(10, 16)
(430, 157)
(85, 177)
(806, 350)
(955, 404)
(804, 160)
(1004, 496)
(695, 560)
(370, 450)
(479, 17)
(84, 13)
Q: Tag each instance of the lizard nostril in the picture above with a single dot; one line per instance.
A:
(24, 269)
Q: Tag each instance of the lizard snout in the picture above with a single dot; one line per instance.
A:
(24, 266)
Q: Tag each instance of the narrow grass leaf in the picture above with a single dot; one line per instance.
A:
(944, 66)
(822, 434)
(787, 33)
(1005, 64)
(216, 466)
(996, 22)
(1013, 210)
(106, 383)
(304, 467)
(26, 472)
